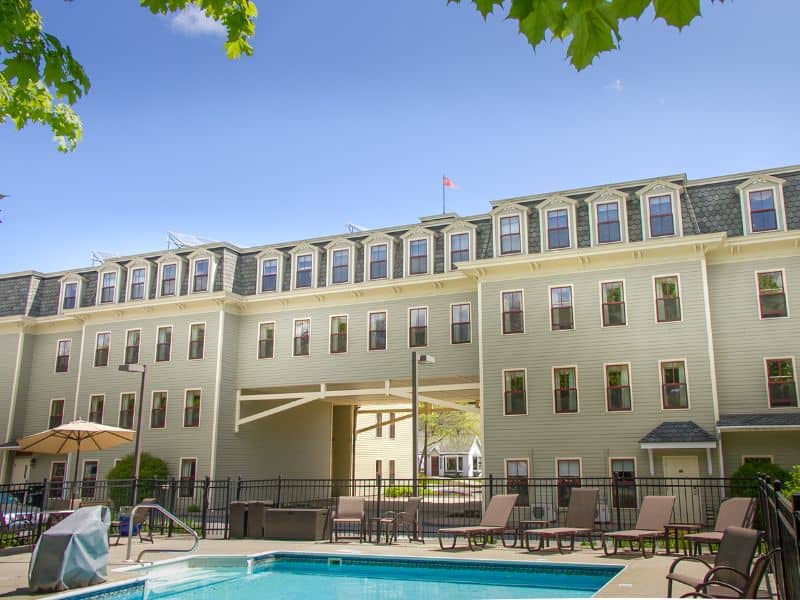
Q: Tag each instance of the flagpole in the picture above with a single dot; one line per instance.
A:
(443, 210)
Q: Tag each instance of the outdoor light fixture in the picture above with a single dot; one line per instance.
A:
(422, 359)
(137, 440)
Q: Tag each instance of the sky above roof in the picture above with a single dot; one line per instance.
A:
(350, 112)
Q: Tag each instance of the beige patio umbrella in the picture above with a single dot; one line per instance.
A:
(75, 437)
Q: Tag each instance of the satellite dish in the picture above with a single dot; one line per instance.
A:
(180, 240)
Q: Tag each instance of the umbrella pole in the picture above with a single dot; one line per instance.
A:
(75, 475)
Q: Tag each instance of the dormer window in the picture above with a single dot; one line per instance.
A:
(557, 218)
(378, 261)
(70, 297)
(661, 218)
(762, 204)
(418, 257)
(608, 223)
(305, 266)
(762, 211)
(340, 261)
(661, 209)
(459, 249)
(558, 228)
(108, 287)
(138, 276)
(269, 275)
(459, 244)
(510, 240)
(169, 278)
(200, 277)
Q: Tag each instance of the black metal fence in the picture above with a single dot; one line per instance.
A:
(780, 519)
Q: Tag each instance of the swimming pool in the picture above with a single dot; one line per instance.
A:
(289, 575)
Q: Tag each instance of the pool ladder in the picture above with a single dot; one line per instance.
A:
(172, 518)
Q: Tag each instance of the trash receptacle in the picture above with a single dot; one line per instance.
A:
(238, 519)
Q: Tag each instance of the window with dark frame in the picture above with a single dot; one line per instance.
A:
(132, 341)
(565, 392)
(340, 269)
(200, 283)
(188, 476)
(62, 356)
(771, 295)
(673, 385)
(510, 238)
(781, 383)
(127, 403)
(418, 327)
(763, 216)
(569, 476)
(301, 337)
(266, 340)
(305, 265)
(378, 468)
(613, 303)
(378, 261)
(377, 331)
(158, 411)
(163, 344)
(96, 405)
(392, 430)
(338, 334)
(58, 473)
(517, 480)
(101, 349)
(661, 218)
(378, 424)
(513, 313)
(109, 286)
(191, 409)
(169, 277)
(89, 480)
(459, 249)
(618, 388)
(138, 276)
(608, 224)
(668, 301)
(418, 257)
(56, 413)
(391, 469)
(558, 228)
(515, 402)
(561, 308)
(269, 275)
(197, 341)
(70, 296)
(460, 324)
(623, 478)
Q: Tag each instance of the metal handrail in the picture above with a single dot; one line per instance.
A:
(170, 516)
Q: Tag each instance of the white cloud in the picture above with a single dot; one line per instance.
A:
(193, 21)
(615, 85)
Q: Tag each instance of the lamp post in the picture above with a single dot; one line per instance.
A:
(137, 440)
(422, 359)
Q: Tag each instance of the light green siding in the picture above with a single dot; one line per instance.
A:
(782, 446)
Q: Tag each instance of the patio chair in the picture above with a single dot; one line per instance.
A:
(408, 518)
(349, 510)
(733, 512)
(579, 522)
(494, 521)
(752, 586)
(653, 516)
(140, 521)
(731, 566)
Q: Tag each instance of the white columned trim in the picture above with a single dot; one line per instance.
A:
(481, 411)
(652, 462)
(721, 463)
(712, 362)
(69, 468)
(12, 405)
(468, 408)
(278, 409)
(217, 391)
(238, 411)
(708, 462)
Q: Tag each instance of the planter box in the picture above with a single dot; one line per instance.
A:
(295, 523)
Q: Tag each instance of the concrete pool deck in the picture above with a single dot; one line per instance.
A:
(642, 578)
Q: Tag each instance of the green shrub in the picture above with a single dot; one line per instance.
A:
(119, 478)
(792, 484)
(193, 508)
(398, 491)
(745, 477)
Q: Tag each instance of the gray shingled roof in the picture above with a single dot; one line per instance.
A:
(759, 420)
(677, 431)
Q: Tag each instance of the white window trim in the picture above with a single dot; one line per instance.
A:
(660, 188)
(274, 339)
(630, 386)
(63, 408)
(89, 407)
(553, 390)
(450, 310)
(297, 252)
(386, 322)
(262, 257)
(135, 402)
(125, 345)
(102, 273)
(624, 300)
(655, 298)
(171, 345)
(458, 228)
(552, 203)
(794, 375)
(196, 257)
(524, 312)
(379, 239)
(64, 282)
(661, 385)
(510, 210)
(69, 356)
(341, 245)
(294, 325)
(770, 457)
(758, 295)
(508, 460)
(608, 196)
(558, 459)
(613, 458)
(427, 327)
(86, 461)
(152, 404)
(550, 289)
(330, 333)
(181, 460)
(53, 463)
(162, 262)
(413, 235)
(503, 387)
(199, 408)
(189, 341)
(130, 268)
(94, 354)
(757, 184)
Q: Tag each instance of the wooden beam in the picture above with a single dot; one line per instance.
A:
(278, 409)
(468, 408)
(383, 423)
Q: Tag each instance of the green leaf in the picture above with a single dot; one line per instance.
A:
(485, 7)
(591, 35)
(678, 13)
(629, 9)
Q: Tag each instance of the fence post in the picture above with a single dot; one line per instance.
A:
(615, 491)
(238, 488)
(278, 494)
(204, 513)
(491, 486)
(796, 511)
(42, 507)
(227, 506)
(378, 501)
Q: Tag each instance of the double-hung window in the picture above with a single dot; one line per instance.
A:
(158, 411)
(137, 283)
(565, 390)
(623, 479)
(305, 265)
(613, 293)
(608, 224)
(668, 300)
(302, 329)
(561, 308)
(417, 327)
(188, 469)
(513, 313)
(459, 248)
(269, 275)
(89, 481)
(58, 473)
(763, 216)
(569, 476)
(673, 385)
(378, 424)
(132, 341)
(197, 341)
(515, 400)
(101, 349)
(510, 237)
(418, 257)
(618, 388)
(56, 413)
(200, 281)
(266, 340)
(392, 429)
(517, 480)
(108, 288)
(62, 356)
(169, 278)
(558, 228)
(191, 409)
(96, 405)
(378, 261)
(340, 269)
(459, 324)
(127, 403)
(662, 221)
(70, 295)
(338, 334)
(377, 331)
(771, 295)
(163, 344)
(781, 383)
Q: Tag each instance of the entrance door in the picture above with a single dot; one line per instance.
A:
(434, 465)
(21, 469)
(682, 473)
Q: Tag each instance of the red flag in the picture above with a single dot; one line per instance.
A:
(447, 182)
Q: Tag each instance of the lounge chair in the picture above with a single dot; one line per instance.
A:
(494, 521)
(653, 516)
(731, 566)
(733, 512)
(408, 518)
(752, 587)
(140, 521)
(579, 522)
(349, 510)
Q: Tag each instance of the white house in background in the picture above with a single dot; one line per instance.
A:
(455, 457)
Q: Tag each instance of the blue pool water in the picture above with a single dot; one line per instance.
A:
(290, 576)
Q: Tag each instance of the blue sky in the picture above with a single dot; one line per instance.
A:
(350, 112)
